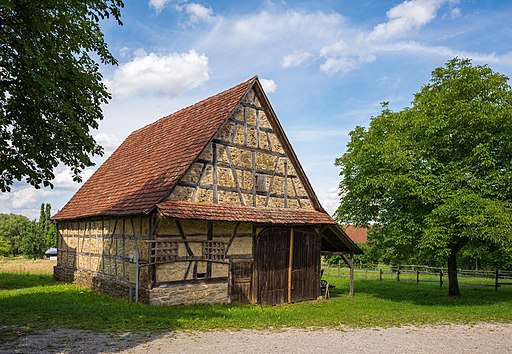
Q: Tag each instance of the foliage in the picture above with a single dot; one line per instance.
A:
(47, 304)
(4, 248)
(435, 177)
(32, 243)
(40, 236)
(51, 86)
(12, 229)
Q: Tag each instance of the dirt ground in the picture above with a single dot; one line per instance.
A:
(478, 338)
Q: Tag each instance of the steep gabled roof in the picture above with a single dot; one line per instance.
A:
(144, 169)
(149, 163)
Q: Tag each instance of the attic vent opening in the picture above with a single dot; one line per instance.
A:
(261, 182)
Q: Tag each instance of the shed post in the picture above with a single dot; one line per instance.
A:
(351, 264)
(290, 267)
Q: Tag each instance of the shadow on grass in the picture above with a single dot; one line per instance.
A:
(64, 305)
(10, 281)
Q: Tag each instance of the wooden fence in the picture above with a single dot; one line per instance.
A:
(418, 273)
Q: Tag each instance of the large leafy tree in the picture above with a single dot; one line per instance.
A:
(437, 176)
(51, 88)
(12, 229)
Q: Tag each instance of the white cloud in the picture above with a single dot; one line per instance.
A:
(295, 58)
(285, 30)
(334, 48)
(26, 198)
(108, 141)
(298, 38)
(334, 65)
(330, 200)
(158, 5)
(455, 11)
(268, 85)
(151, 73)
(64, 178)
(199, 13)
(124, 51)
(405, 17)
(415, 48)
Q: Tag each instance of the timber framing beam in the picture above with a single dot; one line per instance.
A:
(244, 191)
(247, 169)
(250, 148)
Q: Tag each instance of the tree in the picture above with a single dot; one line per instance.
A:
(51, 86)
(33, 245)
(436, 177)
(40, 235)
(12, 229)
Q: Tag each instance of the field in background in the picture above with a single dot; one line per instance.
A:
(421, 274)
(22, 265)
(32, 301)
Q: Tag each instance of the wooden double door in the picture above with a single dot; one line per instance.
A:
(286, 265)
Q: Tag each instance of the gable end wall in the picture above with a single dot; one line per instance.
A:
(244, 165)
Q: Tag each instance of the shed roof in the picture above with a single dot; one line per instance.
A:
(149, 163)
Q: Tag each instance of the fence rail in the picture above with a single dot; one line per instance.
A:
(419, 273)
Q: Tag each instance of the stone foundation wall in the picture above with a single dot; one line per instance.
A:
(99, 282)
(187, 294)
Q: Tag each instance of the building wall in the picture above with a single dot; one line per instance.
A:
(183, 262)
(192, 256)
(95, 253)
(244, 165)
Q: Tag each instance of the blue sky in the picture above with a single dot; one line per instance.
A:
(325, 65)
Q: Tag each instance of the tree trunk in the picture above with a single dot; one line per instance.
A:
(453, 282)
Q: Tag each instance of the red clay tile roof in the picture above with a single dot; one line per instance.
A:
(142, 171)
(356, 234)
(206, 211)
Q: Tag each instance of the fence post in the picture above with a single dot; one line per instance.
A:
(398, 272)
(339, 266)
(496, 284)
(380, 274)
(417, 277)
(440, 278)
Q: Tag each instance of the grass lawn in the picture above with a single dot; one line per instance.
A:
(35, 301)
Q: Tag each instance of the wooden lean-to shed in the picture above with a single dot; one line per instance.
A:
(213, 201)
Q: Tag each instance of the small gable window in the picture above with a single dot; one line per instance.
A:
(261, 182)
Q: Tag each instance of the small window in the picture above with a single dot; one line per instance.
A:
(261, 182)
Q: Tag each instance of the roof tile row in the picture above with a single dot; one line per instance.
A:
(204, 211)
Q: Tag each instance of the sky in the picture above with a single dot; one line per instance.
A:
(326, 66)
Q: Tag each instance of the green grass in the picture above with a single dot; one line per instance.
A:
(36, 302)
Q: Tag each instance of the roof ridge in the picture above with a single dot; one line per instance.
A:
(199, 103)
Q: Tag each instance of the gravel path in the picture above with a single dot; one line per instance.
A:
(479, 338)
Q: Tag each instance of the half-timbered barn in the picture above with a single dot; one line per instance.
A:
(208, 204)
